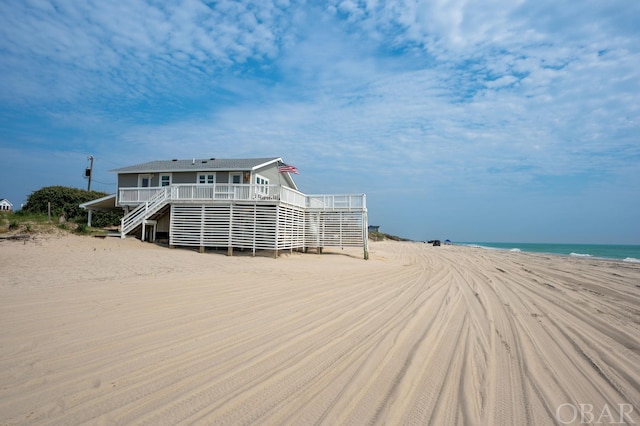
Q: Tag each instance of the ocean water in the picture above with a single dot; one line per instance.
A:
(626, 253)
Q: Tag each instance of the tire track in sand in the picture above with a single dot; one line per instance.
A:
(416, 335)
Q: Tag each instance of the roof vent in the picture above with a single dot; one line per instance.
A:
(175, 159)
(212, 158)
(204, 161)
(193, 161)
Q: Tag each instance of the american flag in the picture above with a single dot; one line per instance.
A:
(282, 168)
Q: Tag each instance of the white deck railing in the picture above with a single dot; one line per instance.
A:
(135, 196)
(192, 192)
(242, 192)
(336, 202)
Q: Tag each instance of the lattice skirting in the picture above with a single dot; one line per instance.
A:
(264, 227)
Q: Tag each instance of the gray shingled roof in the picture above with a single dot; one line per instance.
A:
(200, 164)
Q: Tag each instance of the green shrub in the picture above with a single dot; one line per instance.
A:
(102, 219)
(13, 225)
(66, 201)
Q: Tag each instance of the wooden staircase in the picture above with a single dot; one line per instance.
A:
(144, 211)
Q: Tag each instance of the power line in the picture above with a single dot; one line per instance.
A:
(104, 183)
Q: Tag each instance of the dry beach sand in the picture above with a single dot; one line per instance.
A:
(110, 331)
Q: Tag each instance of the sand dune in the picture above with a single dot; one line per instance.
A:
(109, 331)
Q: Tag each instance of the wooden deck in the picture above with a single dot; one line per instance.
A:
(254, 217)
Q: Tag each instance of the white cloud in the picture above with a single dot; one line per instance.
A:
(461, 96)
(75, 48)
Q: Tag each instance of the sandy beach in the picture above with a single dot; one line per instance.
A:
(111, 331)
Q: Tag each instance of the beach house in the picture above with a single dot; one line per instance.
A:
(5, 205)
(250, 204)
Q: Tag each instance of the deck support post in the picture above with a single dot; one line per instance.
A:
(255, 226)
(230, 246)
(275, 242)
(144, 227)
(365, 234)
(201, 249)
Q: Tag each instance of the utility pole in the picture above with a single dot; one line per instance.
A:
(88, 172)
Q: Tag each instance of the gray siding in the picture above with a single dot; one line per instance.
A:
(222, 177)
(128, 181)
(188, 177)
(271, 172)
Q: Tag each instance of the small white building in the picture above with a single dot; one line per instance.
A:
(5, 205)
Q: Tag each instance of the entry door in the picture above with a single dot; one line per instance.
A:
(236, 179)
(144, 181)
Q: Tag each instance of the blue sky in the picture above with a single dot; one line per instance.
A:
(493, 120)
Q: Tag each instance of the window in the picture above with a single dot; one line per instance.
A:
(236, 178)
(206, 178)
(262, 185)
(165, 180)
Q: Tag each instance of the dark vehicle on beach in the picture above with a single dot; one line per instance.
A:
(436, 243)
